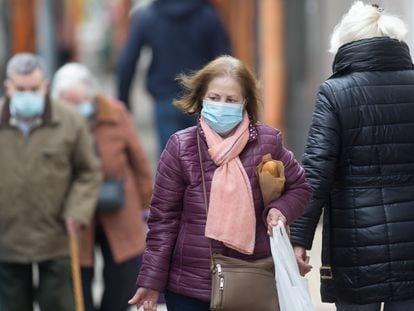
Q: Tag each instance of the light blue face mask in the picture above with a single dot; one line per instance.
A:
(222, 117)
(86, 109)
(27, 104)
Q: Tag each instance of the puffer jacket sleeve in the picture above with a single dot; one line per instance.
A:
(297, 191)
(164, 220)
(320, 162)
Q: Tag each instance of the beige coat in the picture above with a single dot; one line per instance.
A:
(46, 177)
(122, 157)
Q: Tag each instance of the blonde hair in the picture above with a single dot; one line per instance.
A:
(195, 85)
(364, 21)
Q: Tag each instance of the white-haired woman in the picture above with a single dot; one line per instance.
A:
(359, 160)
(120, 233)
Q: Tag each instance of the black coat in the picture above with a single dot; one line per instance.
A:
(183, 36)
(359, 161)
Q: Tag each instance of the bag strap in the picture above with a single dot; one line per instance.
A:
(204, 184)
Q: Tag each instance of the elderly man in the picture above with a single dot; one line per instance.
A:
(49, 183)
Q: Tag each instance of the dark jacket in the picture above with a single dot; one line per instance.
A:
(183, 36)
(177, 255)
(359, 160)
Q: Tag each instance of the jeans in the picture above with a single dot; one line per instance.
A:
(53, 293)
(406, 305)
(119, 279)
(177, 302)
(169, 119)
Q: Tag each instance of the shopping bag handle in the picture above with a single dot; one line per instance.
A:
(281, 227)
(280, 240)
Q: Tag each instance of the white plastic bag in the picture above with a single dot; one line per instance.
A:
(292, 288)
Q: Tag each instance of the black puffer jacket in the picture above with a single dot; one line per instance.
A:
(360, 163)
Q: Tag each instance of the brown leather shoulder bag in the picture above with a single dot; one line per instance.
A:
(239, 285)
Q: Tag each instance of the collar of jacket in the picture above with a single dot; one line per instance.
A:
(252, 131)
(374, 54)
(47, 117)
(105, 113)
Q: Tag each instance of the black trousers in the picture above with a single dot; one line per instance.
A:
(54, 291)
(119, 280)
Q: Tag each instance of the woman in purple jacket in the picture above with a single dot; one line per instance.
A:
(177, 258)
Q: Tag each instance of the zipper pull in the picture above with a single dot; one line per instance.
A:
(221, 286)
(218, 269)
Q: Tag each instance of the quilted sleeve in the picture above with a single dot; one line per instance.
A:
(320, 162)
(164, 219)
(297, 191)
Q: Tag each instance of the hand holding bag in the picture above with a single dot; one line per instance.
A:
(292, 288)
(239, 285)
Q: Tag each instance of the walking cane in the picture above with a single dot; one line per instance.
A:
(76, 275)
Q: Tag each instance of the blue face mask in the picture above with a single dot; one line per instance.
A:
(222, 117)
(86, 109)
(27, 104)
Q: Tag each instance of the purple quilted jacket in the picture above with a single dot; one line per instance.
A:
(177, 256)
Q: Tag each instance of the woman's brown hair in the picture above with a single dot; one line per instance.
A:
(195, 85)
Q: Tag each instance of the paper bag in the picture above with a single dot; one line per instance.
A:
(271, 178)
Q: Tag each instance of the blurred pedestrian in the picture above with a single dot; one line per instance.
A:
(49, 185)
(359, 161)
(177, 257)
(120, 233)
(183, 36)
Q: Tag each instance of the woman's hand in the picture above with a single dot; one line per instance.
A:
(302, 260)
(273, 217)
(145, 297)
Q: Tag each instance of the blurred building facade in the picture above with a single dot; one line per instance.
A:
(284, 41)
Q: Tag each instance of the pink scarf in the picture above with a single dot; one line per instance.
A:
(231, 215)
